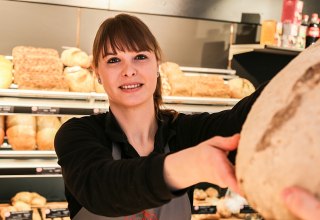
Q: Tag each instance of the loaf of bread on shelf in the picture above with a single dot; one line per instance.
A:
(21, 132)
(6, 76)
(47, 127)
(1, 129)
(75, 57)
(30, 198)
(38, 68)
(209, 86)
(240, 88)
(170, 70)
(79, 79)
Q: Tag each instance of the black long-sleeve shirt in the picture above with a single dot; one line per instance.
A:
(122, 187)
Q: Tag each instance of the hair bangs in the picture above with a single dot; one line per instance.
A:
(126, 37)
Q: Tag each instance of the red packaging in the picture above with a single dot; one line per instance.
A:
(292, 11)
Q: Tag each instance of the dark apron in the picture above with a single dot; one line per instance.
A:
(177, 209)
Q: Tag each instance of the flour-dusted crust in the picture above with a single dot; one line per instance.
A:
(280, 140)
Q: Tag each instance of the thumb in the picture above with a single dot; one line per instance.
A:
(224, 143)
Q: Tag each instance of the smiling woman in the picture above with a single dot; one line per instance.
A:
(138, 160)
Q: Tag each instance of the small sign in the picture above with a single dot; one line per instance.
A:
(19, 215)
(6, 109)
(48, 170)
(57, 213)
(204, 210)
(45, 110)
(99, 111)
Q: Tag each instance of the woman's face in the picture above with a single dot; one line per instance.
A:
(129, 78)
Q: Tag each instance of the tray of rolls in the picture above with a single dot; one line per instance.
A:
(33, 206)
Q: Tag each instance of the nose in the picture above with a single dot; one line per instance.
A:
(129, 70)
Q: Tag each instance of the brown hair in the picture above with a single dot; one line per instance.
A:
(127, 32)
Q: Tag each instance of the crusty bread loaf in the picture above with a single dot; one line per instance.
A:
(1, 129)
(47, 127)
(170, 70)
(38, 68)
(5, 73)
(280, 141)
(79, 79)
(209, 86)
(240, 88)
(21, 132)
(75, 57)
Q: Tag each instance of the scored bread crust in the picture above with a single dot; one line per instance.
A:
(279, 145)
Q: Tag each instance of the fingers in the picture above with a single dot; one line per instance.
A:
(227, 175)
(301, 203)
(224, 143)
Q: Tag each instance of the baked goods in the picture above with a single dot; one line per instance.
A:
(240, 88)
(1, 129)
(79, 79)
(75, 57)
(29, 198)
(279, 145)
(38, 68)
(21, 132)
(5, 73)
(47, 127)
(209, 86)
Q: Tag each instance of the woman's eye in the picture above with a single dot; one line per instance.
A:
(141, 57)
(113, 60)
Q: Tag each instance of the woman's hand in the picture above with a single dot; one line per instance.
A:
(206, 162)
(301, 203)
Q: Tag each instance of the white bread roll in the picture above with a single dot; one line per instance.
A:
(5, 73)
(75, 57)
(47, 127)
(280, 141)
(21, 132)
(79, 79)
(240, 88)
(1, 129)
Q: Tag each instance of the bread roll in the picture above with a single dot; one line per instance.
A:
(1, 129)
(280, 141)
(75, 57)
(21, 132)
(171, 70)
(5, 73)
(47, 127)
(79, 79)
(240, 88)
(29, 198)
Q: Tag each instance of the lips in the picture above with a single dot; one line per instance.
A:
(130, 86)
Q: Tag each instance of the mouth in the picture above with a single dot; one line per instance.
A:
(131, 86)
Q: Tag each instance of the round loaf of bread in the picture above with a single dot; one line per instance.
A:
(280, 141)
(240, 88)
(21, 132)
(5, 73)
(79, 79)
(47, 127)
(75, 57)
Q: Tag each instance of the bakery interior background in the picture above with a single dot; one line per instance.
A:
(191, 33)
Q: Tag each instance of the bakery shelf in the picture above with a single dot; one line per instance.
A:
(15, 101)
(27, 154)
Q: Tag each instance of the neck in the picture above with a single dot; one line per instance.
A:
(139, 124)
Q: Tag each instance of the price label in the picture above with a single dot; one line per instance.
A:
(45, 110)
(204, 209)
(48, 170)
(57, 213)
(18, 215)
(6, 109)
(99, 111)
